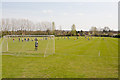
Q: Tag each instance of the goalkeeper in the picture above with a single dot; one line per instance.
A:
(36, 45)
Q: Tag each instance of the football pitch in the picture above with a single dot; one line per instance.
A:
(73, 58)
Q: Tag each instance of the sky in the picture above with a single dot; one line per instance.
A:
(83, 14)
(59, 0)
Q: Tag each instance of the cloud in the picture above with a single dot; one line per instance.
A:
(47, 11)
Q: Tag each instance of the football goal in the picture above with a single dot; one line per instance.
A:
(25, 45)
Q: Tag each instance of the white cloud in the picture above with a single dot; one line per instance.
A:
(47, 11)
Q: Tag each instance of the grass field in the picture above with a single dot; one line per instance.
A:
(80, 58)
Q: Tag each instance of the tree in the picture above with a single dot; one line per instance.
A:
(106, 29)
(73, 30)
(53, 27)
(46, 26)
(93, 30)
(81, 32)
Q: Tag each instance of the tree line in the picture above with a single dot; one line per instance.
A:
(27, 27)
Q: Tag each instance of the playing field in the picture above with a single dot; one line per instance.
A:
(73, 58)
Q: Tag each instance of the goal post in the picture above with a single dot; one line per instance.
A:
(4, 44)
(24, 45)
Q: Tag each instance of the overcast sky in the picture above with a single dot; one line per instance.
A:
(59, 0)
(83, 14)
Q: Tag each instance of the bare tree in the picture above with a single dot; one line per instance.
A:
(93, 30)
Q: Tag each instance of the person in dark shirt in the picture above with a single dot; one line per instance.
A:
(25, 39)
(36, 45)
(22, 39)
(28, 39)
(19, 39)
(36, 39)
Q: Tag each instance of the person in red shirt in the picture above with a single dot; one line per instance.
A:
(13, 39)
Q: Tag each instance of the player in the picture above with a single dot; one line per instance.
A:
(22, 39)
(68, 37)
(19, 39)
(25, 39)
(28, 39)
(46, 38)
(36, 39)
(13, 39)
(36, 45)
(88, 38)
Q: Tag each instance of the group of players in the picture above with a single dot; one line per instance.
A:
(75, 38)
(28, 39)
(36, 40)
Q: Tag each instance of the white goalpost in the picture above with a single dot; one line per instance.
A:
(24, 45)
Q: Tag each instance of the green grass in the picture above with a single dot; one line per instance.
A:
(72, 59)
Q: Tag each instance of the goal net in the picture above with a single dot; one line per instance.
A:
(24, 45)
